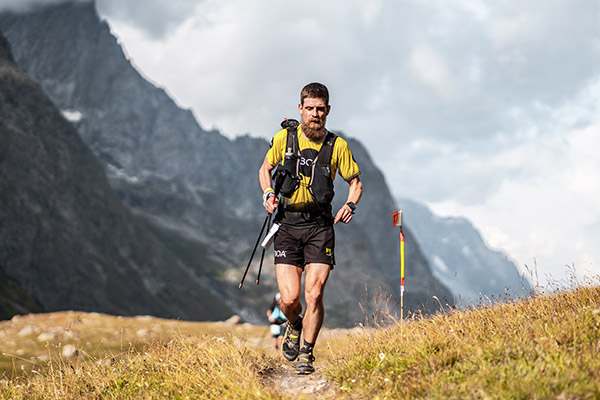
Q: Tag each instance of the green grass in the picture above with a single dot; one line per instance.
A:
(545, 347)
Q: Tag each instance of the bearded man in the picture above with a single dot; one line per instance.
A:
(305, 241)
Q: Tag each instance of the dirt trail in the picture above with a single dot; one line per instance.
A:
(285, 380)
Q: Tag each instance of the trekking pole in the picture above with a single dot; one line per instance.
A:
(262, 256)
(278, 178)
(267, 218)
(397, 219)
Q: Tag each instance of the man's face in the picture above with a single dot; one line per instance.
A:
(314, 113)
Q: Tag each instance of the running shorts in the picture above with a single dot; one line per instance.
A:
(301, 246)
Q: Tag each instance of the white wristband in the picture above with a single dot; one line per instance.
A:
(267, 195)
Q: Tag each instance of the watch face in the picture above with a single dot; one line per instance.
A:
(351, 205)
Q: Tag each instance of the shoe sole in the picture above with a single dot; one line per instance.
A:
(308, 372)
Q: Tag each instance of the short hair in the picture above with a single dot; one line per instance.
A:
(315, 90)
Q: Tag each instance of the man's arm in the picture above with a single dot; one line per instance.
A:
(264, 178)
(354, 194)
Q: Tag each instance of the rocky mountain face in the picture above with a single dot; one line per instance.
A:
(195, 191)
(459, 257)
(66, 240)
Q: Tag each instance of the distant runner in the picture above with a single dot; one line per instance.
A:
(277, 319)
(310, 156)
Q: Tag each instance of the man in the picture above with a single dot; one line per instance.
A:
(305, 240)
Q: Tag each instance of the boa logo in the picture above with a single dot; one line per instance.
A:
(279, 253)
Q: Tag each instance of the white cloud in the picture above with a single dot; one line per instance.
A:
(550, 212)
(154, 18)
(427, 66)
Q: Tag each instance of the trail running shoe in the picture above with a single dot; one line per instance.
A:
(305, 363)
(290, 347)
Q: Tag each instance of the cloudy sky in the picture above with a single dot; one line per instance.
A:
(488, 110)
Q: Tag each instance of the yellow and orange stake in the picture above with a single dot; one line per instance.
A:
(397, 220)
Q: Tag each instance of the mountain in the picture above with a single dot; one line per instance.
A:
(460, 258)
(66, 240)
(195, 190)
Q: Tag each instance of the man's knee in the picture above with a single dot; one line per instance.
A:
(289, 300)
(314, 296)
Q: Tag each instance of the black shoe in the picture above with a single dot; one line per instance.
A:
(290, 346)
(305, 362)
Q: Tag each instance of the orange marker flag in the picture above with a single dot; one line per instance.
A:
(397, 220)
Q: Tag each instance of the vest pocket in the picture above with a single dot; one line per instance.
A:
(290, 180)
(321, 186)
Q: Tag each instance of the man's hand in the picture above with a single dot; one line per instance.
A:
(354, 194)
(344, 215)
(271, 204)
(270, 201)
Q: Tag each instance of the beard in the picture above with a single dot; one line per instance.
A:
(314, 130)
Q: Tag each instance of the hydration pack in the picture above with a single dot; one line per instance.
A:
(321, 183)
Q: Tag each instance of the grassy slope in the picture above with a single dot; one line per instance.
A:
(546, 347)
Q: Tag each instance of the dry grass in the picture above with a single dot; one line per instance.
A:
(544, 347)
(30, 341)
(143, 357)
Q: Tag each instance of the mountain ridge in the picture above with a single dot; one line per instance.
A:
(459, 256)
(66, 241)
(169, 171)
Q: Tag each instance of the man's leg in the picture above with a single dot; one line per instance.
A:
(289, 280)
(316, 277)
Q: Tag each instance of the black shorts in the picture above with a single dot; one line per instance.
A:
(301, 246)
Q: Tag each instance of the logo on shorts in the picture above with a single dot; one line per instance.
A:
(279, 253)
(328, 251)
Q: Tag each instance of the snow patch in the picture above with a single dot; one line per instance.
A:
(121, 174)
(440, 264)
(73, 115)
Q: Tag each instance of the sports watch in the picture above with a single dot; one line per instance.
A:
(352, 206)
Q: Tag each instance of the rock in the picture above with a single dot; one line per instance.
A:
(142, 332)
(233, 320)
(46, 337)
(144, 318)
(26, 330)
(69, 351)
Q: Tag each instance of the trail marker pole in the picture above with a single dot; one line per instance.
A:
(397, 220)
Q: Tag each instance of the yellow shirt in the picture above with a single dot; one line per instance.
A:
(302, 201)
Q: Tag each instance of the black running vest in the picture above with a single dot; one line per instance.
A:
(321, 183)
